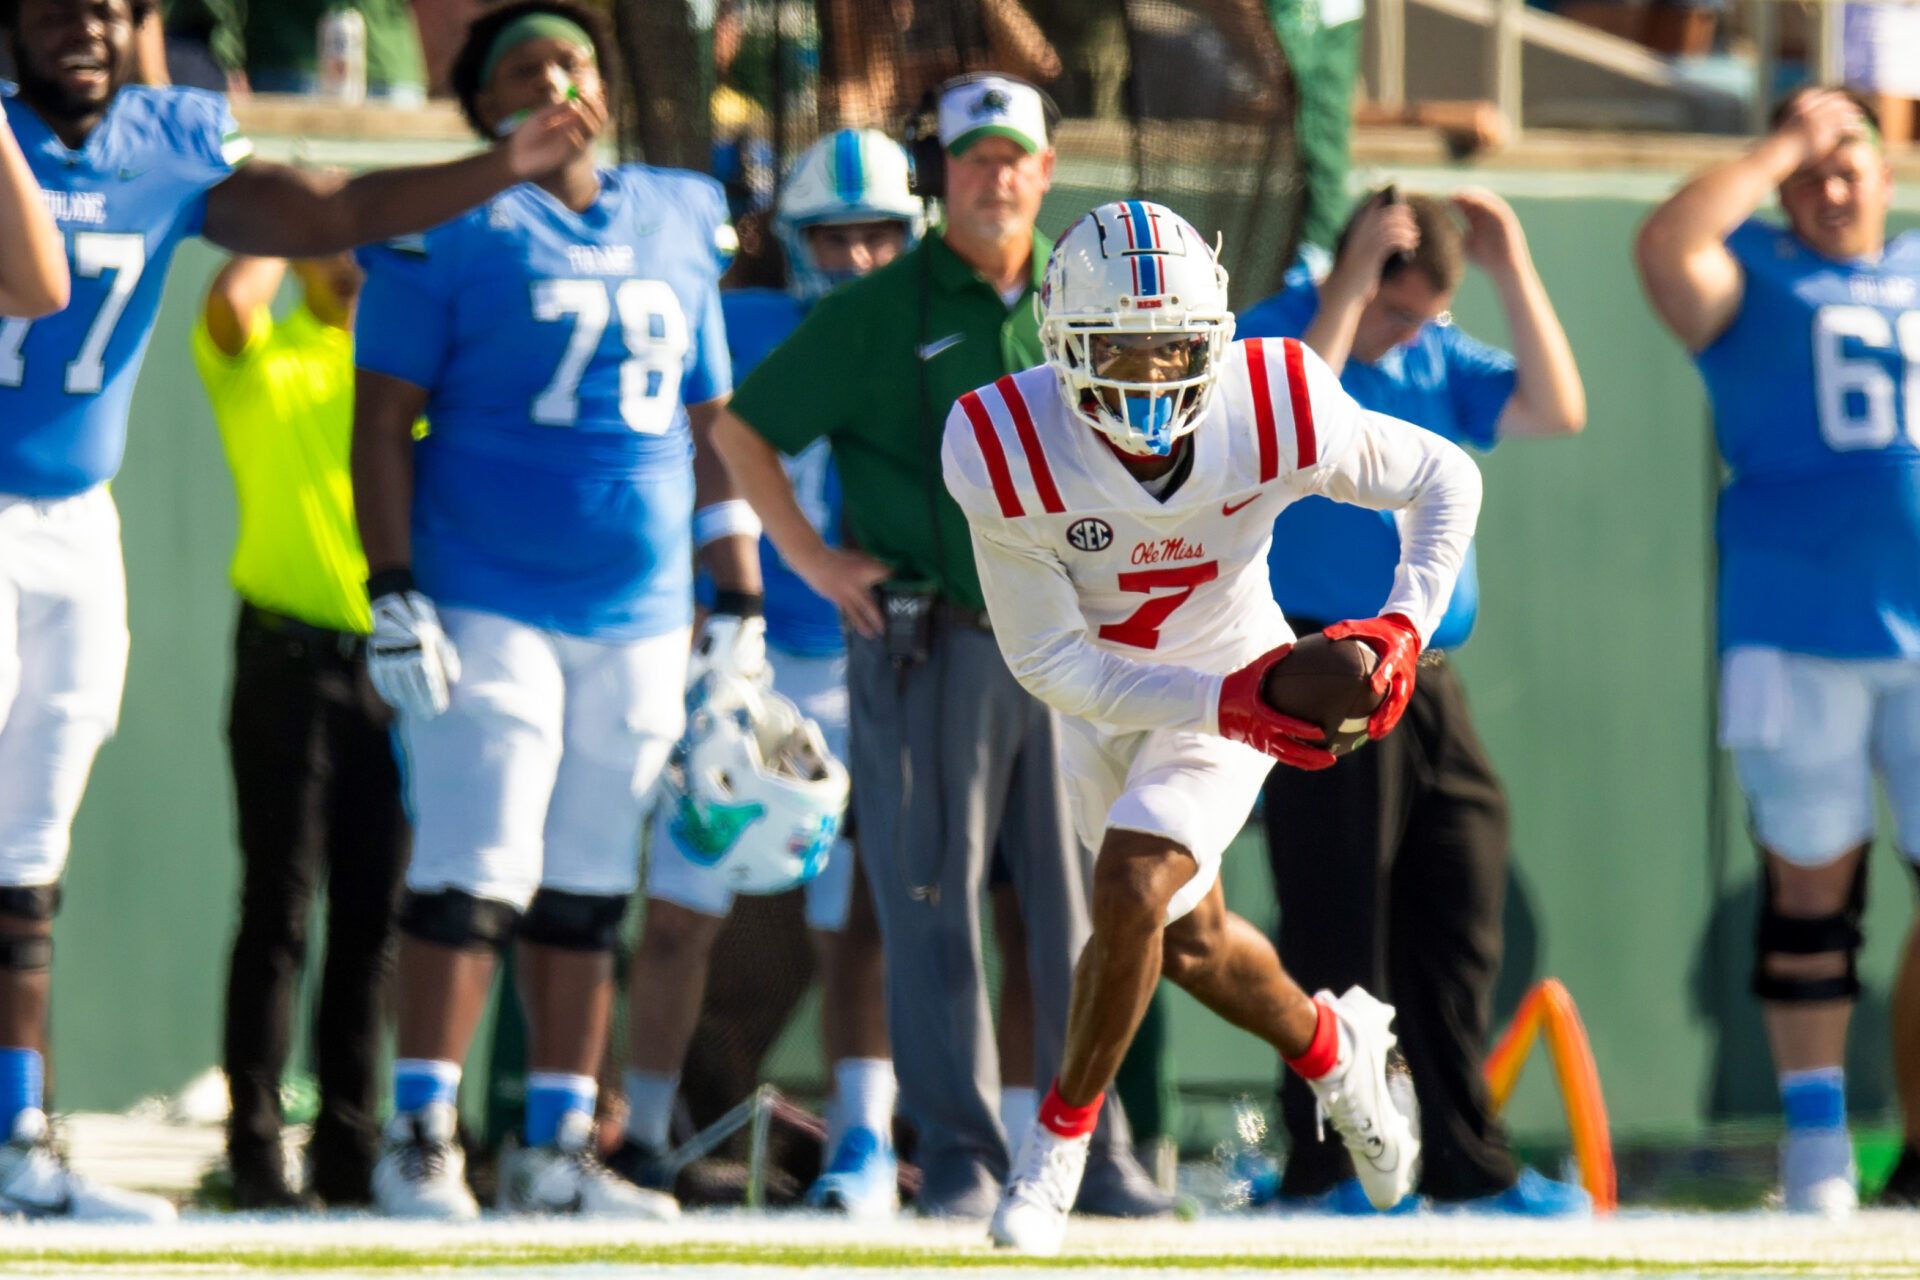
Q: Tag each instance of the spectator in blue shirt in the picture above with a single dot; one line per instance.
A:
(1407, 899)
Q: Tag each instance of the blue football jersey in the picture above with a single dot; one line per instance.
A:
(1816, 403)
(131, 193)
(798, 620)
(559, 351)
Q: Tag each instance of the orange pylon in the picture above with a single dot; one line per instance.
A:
(1549, 1005)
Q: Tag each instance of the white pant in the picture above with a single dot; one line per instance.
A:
(544, 763)
(63, 663)
(1807, 736)
(818, 686)
(1193, 788)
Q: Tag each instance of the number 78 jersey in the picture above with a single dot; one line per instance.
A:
(1816, 401)
(1125, 609)
(558, 350)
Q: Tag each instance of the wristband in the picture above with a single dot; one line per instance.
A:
(736, 604)
(389, 582)
(723, 520)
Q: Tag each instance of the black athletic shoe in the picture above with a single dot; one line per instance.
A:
(263, 1187)
(1902, 1190)
(643, 1166)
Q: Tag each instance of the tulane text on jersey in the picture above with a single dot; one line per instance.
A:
(559, 351)
(122, 202)
(1816, 402)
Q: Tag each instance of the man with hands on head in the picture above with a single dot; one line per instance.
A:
(128, 171)
(1409, 895)
(1807, 336)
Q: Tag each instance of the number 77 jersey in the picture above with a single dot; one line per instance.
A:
(123, 201)
(1816, 401)
(1125, 609)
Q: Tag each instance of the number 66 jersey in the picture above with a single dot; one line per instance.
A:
(559, 350)
(1124, 608)
(1816, 403)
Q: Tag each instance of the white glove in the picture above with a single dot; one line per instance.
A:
(409, 658)
(733, 646)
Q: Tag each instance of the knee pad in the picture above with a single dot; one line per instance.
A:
(452, 918)
(1810, 936)
(574, 921)
(37, 904)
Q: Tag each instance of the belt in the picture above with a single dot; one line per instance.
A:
(952, 615)
(343, 644)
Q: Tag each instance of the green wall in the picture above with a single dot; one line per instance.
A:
(1591, 673)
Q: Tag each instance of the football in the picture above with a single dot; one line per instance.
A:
(1327, 683)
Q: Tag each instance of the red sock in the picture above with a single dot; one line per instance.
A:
(1066, 1120)
(1323, 1052)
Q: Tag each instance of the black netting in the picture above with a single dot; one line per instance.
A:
(1188, 102)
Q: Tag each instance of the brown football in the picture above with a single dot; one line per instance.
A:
(1326, 682)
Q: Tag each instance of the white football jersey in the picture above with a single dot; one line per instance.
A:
(1118, 607)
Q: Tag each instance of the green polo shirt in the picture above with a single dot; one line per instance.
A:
(875, 367)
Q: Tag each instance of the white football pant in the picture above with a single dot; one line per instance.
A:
(1808, 734)
(1193, 788)
(545, 761)
(63, 664)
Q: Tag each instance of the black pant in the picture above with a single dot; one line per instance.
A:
(1391, 870)
(318, 791)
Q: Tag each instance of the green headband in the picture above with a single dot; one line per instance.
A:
(533, 26)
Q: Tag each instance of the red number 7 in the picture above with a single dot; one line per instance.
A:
(1142, 629)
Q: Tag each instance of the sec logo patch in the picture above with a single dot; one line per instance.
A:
(1090, 534)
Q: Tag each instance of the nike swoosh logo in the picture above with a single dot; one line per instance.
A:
(929, 350)
(1228, 508)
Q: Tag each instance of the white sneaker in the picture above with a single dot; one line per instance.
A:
(1373, 1118)
(422, 1173)
(567, 1177)
(35, 1183)
(1817, 1172)
(1032, 1214)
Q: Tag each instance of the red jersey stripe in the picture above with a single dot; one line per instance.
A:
(1030, 441)
(1306, 448)
(1268, 429)
(996, 457)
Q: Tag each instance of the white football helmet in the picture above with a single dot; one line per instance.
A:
(852, 175)
(751, 788)
(1135, 268)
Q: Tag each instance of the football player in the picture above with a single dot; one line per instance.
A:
(1121, 499)
(1808, 338)
(844, 211)
(128, 171)
(531, 570)
(33, 271)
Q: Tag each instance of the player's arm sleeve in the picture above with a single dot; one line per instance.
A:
(403, 324)
(807, 387)
(208, 141)
(1041, 630)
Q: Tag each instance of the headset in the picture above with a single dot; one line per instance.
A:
(927, 171)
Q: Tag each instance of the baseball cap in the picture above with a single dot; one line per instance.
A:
(992, 106)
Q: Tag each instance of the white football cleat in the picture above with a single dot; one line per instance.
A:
(422, 1172)
(1356, 1097)
(1033, 1209)
(567, 1177)
(1817, 1172)
(35, 1183)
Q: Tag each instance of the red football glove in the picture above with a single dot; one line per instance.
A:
(1246, 717)
(1397, 644)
